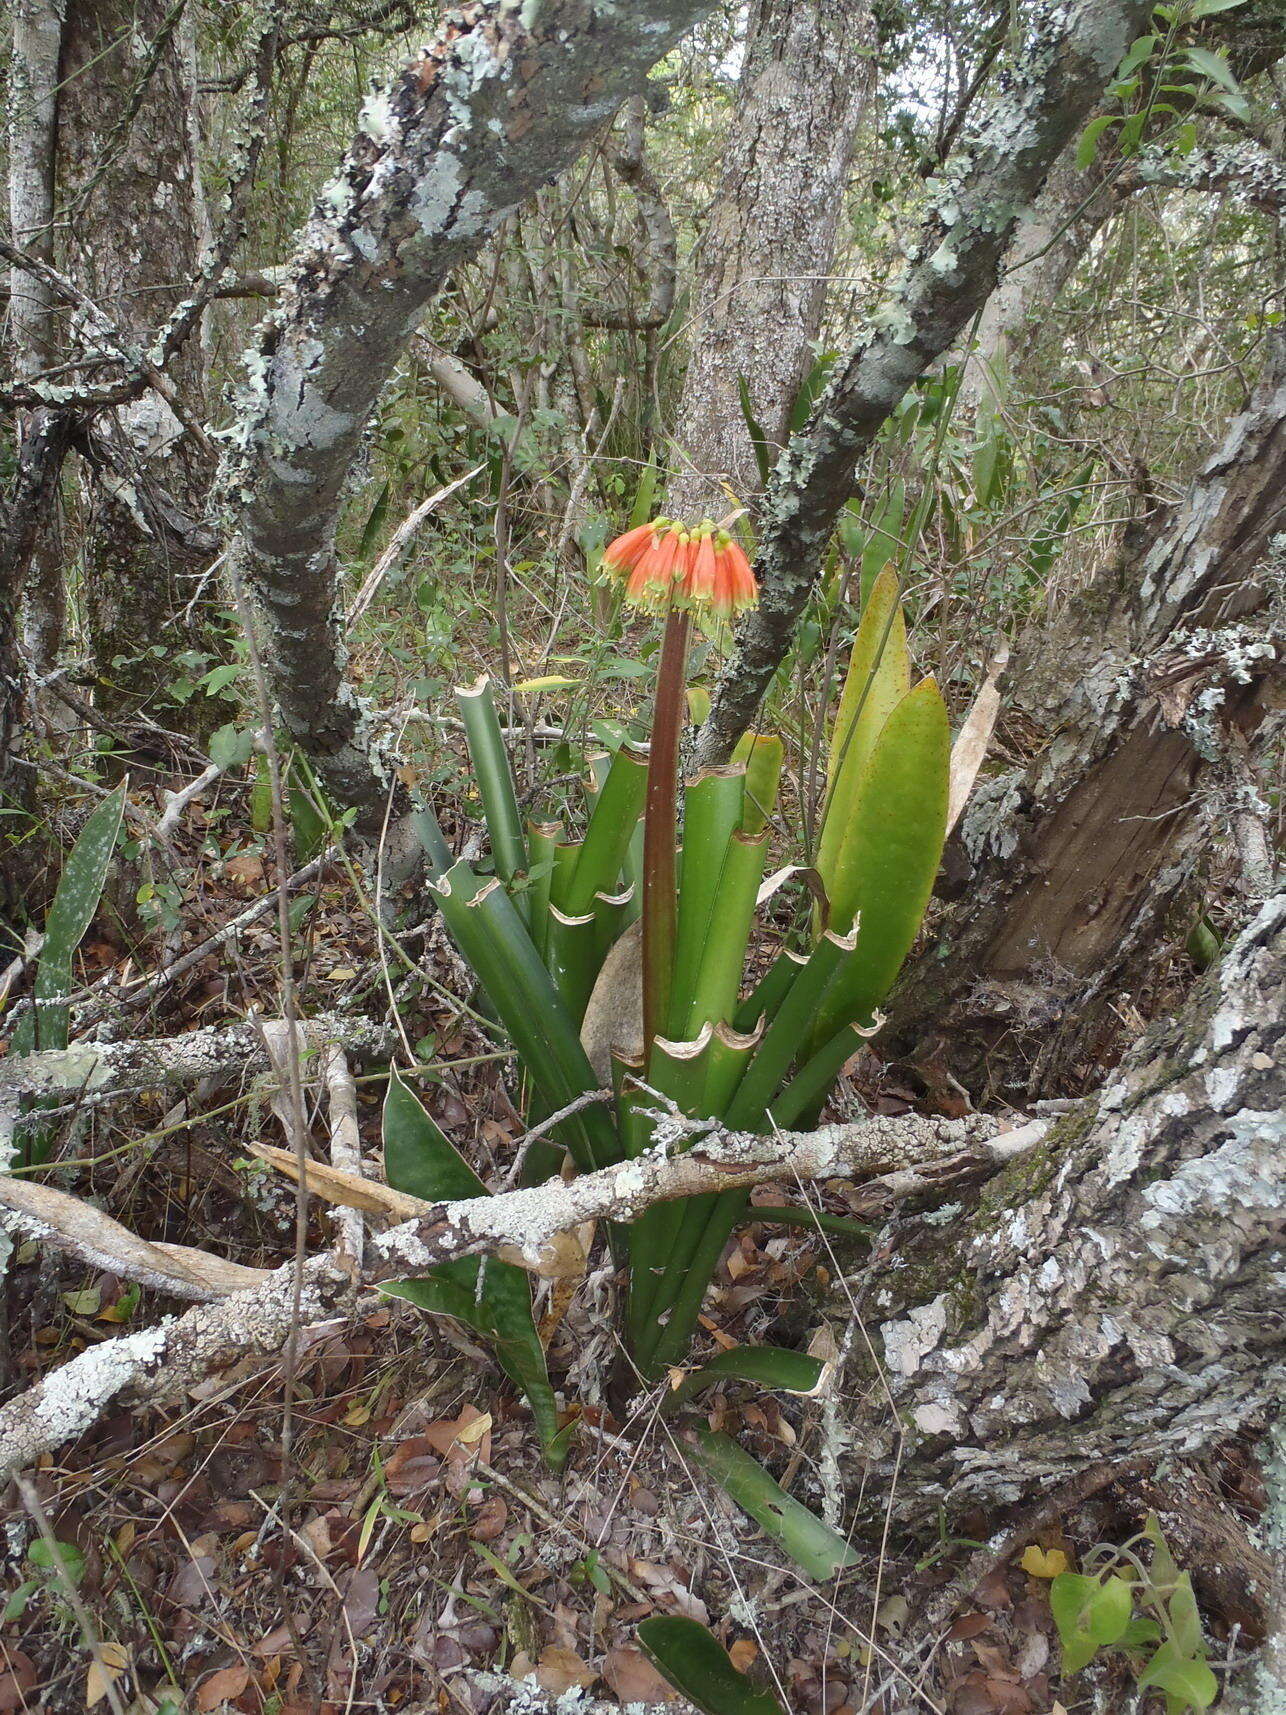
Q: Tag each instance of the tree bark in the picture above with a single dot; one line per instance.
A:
(1062, 870)
(764, 259)
(494, 108)
(33, 119)
(995, 175)
(128, 175)
(1119, 1292)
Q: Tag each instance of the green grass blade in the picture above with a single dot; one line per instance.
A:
(495, 778)
(811, 1543)
(697, 1665)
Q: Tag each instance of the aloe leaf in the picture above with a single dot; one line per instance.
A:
(768, 1366)
(712, 811)
(790, 1027)
(816, 1220)
(883, 872)
(677, 1070)
(419, 1158)
(80, 887)
(543, 839)
(809, 1541)
(707, 1226)
(572, 957)
(492, 1297)
(885, 540)
(495, 779)
(809, 1087)
(761, 754)
(617, 808)
(489, 933)
(772, 988)
(878, 677)
(723, 955)
(696, 1664)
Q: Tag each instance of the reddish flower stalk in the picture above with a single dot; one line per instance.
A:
(660, 829)
(670, 568)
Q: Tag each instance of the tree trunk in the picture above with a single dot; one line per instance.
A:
(1069, 55)
(765, 256)
(1062, 870)
(1051, 238)
(33, 118)
(1117, 1294)
(494, 108)
(128, 179)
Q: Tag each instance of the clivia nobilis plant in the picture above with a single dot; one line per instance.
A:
(565, 923)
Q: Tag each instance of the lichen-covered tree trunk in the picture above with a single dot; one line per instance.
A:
(1117, 1294)
(997, 170)
(33, 118)
(1144, 696)
(501, 101)
(127, 179)
(764, 258)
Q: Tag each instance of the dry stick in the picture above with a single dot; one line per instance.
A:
(294, 1079)
(154, 1365)
(345, 1153)
(93, 1643)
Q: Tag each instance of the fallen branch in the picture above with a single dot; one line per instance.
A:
(156, 1365)
(220, 1051)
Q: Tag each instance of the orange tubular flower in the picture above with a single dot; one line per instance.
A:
(666, 564)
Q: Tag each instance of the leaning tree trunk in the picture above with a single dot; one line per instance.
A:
(1117, 1294)
(766, 253)
(127, 177)
(1063, 870)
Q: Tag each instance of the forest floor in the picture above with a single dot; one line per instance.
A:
(383, 1534)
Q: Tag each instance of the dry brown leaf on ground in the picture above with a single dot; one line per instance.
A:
(560, 1668)
(222, 1686)
(633, 1678)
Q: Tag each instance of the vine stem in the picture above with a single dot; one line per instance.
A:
(660, 828)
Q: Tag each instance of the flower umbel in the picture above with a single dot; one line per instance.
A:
(667, 564)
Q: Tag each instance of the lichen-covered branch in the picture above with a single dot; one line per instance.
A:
(501, 100)
(218, 1051)
(1072, 52)
(157, 1364)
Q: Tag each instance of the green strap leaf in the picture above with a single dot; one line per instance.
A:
(768, 1366)
(821, 1551)
(696, 1663)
